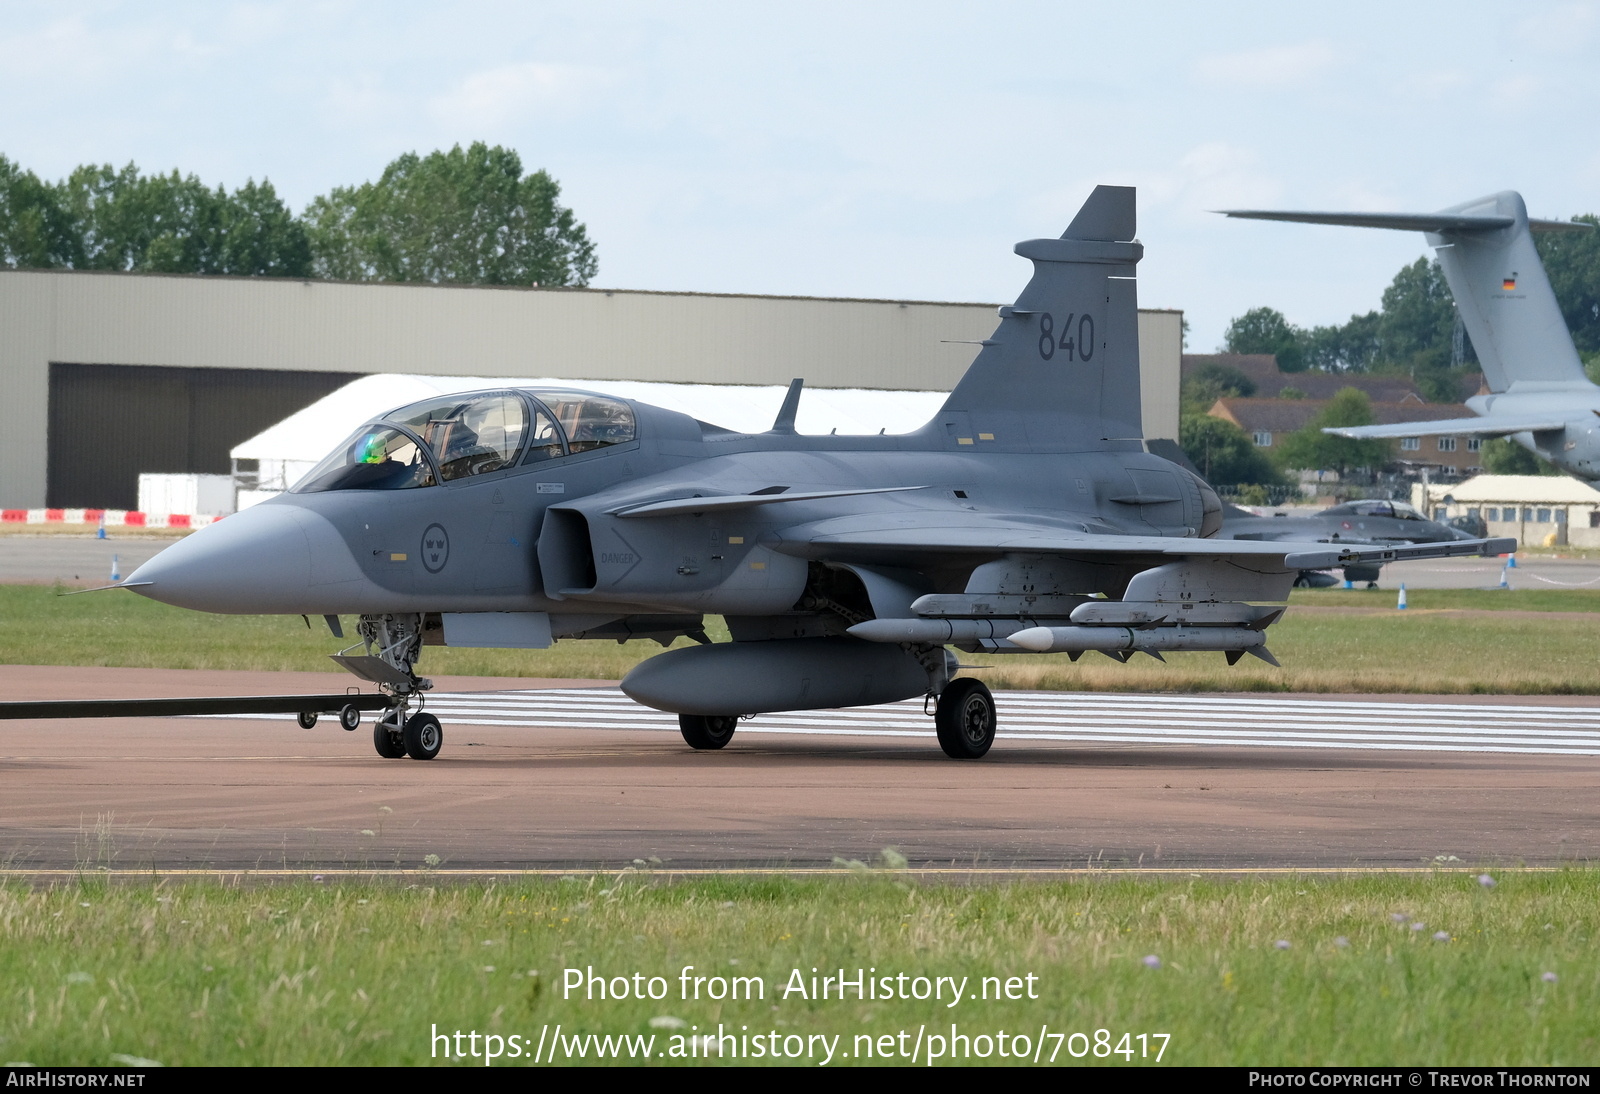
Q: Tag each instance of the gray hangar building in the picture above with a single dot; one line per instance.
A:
(107, 375)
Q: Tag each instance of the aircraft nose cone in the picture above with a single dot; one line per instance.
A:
(258, 560)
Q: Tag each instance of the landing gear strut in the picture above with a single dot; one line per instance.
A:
(391, 645)
(965, 719)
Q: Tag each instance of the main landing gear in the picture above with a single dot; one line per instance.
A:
(965, 719)
(707, 731)
(392, 644)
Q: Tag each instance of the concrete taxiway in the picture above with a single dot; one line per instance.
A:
(74, 559)
(572, 776)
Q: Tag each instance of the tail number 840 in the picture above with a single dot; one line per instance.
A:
(1074, 340)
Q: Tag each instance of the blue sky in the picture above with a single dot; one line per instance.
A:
(861, 149)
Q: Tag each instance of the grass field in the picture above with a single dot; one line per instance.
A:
(1449, 641)
(1392, 969)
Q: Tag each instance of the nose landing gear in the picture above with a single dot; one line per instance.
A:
(386, 740)
(391, 645)
(423, 736)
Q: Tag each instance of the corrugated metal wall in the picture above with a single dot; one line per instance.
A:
(108, 423)
(276, 325)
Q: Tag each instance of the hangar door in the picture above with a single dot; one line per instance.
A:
(109, 423)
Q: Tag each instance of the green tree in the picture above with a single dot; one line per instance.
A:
(1212, 381)
(1416, 331)
(1572, 259)
(1265, 330)
(100, 218)
(259, 236)
(1418, 319)
(1591, 367)
(464, 216)
(1223, 452)
(1352, 347)
(1311, 449)
(35, 231)
(1502, 456)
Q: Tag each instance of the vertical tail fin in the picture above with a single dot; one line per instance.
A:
(1061, 371)
(1500, 288)
(1505, 299)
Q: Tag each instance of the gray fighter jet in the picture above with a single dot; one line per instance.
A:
(1026, 516)
(1539, 395)
(1371, 521)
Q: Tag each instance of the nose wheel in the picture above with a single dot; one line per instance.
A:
(423, 736)
(419, 736)
(387, 741)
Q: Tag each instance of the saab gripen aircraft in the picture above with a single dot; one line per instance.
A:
(1027, 516)
(1371, 521)
(1538, 395)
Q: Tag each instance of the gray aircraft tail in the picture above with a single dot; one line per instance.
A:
(1486, 250)
(1061, 371)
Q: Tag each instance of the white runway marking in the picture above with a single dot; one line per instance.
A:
(1099, 717)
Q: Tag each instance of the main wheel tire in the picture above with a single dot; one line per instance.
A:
(307, 719)
(387, 741)
(350, 717)
(965, 719)
(707, 731)
(424, 736)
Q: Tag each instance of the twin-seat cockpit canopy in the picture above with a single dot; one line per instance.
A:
(1398, 510)
(458, 436)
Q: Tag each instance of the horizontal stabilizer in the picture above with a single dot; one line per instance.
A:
(676, 507)
(1409, 222)
(1480, 427)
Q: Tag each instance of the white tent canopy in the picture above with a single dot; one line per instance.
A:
(286, 451)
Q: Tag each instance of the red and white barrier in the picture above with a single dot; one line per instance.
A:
(126, 518)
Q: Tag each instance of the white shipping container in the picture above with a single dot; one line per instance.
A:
(203, 495)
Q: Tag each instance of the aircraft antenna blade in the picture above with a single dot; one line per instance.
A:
(784, 423)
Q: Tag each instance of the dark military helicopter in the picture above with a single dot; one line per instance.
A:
(1026, 516)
